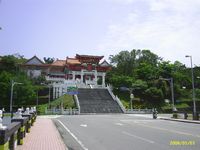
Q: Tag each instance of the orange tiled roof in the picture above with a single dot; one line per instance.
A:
(58, 63)
(72, 61)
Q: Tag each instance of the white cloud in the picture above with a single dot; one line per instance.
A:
(169, 28)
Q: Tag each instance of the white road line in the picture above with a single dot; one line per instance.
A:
(83, 125)
(138, 137)
(79, 142)
(119, 124)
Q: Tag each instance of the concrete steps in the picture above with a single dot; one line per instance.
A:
(97, 101)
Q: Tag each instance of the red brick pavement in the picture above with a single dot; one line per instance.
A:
(43, 136)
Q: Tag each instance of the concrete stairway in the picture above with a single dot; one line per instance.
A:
(97, 101)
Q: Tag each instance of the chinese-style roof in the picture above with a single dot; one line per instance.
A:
(60, 63)
(89, 56)
(105, 64)
(34, 61)
(72, 61)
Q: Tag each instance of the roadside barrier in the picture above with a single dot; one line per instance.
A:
(184, 115)
(9, 137)
(14, 134)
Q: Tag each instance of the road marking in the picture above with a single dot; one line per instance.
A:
(83, 125)
(79, 142)
(138, 137)
(141, 123)
(119, 124)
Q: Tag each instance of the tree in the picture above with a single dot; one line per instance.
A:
(48, 60)
(154, 96)
(124, 62)
(22, 94)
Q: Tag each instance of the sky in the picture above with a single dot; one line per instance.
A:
(61, 28)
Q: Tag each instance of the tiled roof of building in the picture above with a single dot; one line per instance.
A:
(34, 61)
(105, 64)
(89, 56)
(72, 61)
(59, 63)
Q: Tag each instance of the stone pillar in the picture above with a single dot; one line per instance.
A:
(57, 92)
(81, 76)
(95, 77)
(73, 76)
(60, 91)
(53, 92)
(103, 80)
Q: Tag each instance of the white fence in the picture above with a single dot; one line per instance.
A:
(57, 111)
(138, 111)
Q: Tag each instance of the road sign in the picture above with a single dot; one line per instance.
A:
(72, 90)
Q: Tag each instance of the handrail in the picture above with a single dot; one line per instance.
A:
(120, 104)
(77, 103)
(116, 99)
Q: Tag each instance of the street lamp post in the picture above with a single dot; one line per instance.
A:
(49, 86)
(193, 88)
(49, 94)
(172, 91)
(11, 93)
(131, 97)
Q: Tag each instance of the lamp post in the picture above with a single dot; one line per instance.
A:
(193, 88)
(11, 93)
(49, 94)
(49, 86)
(131, 98)
(172, 91)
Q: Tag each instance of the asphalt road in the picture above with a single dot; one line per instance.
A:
(126, 132)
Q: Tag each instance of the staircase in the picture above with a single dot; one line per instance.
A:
(97, 101)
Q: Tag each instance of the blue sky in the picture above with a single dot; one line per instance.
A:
(60, 28)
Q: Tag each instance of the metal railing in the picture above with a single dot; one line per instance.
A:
(77, 103)
(139, 111)
(116, 99)
(58, 111)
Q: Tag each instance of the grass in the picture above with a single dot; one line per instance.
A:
(68, 102)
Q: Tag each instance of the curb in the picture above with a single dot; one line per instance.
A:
(178, 120)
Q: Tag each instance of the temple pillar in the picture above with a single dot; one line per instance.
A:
(60, 91)
(57, 92)
(81, 76)
(53, 92)
(73, 76)
(103, 79)
(95, 77)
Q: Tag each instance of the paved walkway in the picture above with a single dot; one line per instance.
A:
(43, 136)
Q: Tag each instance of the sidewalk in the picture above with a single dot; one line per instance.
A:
(43, 136)
(179, 120)
(168, 117)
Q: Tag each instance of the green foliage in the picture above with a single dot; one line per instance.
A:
(154, 95)
(48, 60)
(68, 102)
(9, 70)
(119, 81)
(141, 71)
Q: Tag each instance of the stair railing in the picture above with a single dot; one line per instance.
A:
(77, 103)
(116, 99)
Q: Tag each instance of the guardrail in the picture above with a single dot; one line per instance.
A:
(77, 103)
(14, 133)
(116, 99)
(54, 111)
(185, 115)
(139, 111)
